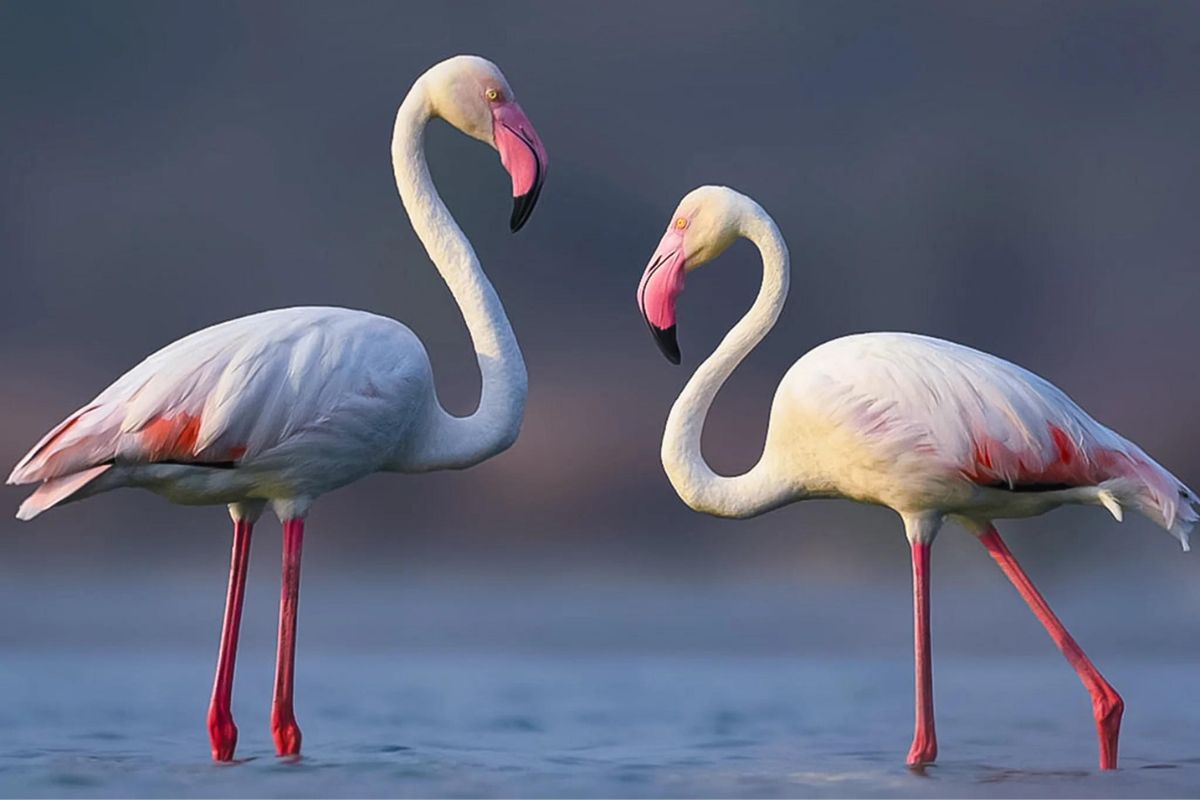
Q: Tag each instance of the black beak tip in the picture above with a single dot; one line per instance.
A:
(667, 342)
(523, 207)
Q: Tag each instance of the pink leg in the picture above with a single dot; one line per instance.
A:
(924, 746)
(221, 730)
(283, 717)
(1107, 705)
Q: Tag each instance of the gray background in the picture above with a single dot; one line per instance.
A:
(1020, 177)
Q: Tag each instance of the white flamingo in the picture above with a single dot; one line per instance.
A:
(928, 428)
(283, 406)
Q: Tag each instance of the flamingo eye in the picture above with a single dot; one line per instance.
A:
(492, 95)
(681, 223)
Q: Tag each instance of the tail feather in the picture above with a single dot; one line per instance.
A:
(77, 443)
(1156, 494)
(1110, 501)
(56, 490)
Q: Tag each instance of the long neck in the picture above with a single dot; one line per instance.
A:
(758, 490)
(449, 441)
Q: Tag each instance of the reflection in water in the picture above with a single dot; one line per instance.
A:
(489, 724)
(992, 775)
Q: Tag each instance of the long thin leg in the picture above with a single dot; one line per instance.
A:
(924, 745)
(283, 717)
(1107, 705)
(221, 730)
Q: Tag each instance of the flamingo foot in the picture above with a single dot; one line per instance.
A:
(1107, 706)
(923, 750)
(286, 733)
(222, 733)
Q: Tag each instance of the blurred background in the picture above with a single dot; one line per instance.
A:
(1022, 178)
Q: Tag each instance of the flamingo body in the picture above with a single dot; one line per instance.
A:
(921, 424)
(290, 403)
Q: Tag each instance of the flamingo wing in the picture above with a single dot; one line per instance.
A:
(234, 391)
(916, 399)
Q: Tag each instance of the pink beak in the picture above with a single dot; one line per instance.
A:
(522, 154)
(660, 287)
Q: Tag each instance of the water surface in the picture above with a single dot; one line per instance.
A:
(129, 722)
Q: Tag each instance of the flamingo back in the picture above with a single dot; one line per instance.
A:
(925, 404)
(235, 391)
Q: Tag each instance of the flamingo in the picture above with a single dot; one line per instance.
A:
(931, 429)
(282, 406)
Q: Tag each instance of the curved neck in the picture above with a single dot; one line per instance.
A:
(450, 441)
(755, 491)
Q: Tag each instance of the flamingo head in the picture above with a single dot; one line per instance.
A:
(706, 222)
(472, 94)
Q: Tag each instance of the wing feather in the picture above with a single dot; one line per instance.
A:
(236, 390)
(980, 418)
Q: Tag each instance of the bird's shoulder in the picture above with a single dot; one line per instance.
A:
(251, 383)
(893, 364)
(933, 396)
(284, 328)
(327, 339)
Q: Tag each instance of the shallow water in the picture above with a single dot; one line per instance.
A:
(128, 722)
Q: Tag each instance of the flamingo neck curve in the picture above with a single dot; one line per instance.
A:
(452, 442)
(759, 489)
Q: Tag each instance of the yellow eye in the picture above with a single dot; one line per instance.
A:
(681, 223)
(493, 94)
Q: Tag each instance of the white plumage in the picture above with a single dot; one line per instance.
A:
(931, 429)
(918, 423)
(283, 406)
(290, 403)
